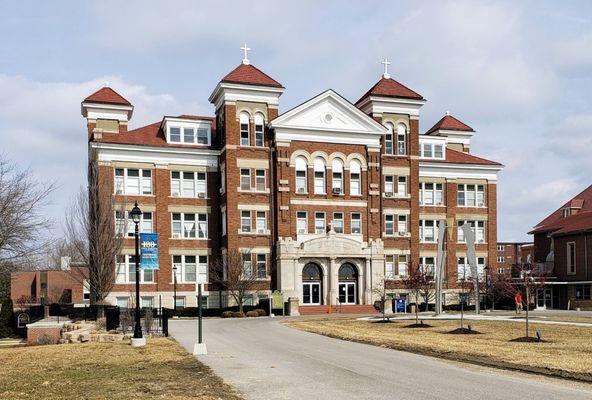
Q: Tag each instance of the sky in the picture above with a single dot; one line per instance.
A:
(518, 72)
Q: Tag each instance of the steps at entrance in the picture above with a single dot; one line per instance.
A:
(344, 309)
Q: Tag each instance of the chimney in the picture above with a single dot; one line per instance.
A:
(106, 113)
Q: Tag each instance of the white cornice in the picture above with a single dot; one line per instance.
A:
(458, 171)
(224, 92)
(392, 105)
(119, 112)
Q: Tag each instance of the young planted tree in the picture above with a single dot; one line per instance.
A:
(531, 278)
(93, 237)
(499, 287)
(380, 291)
(418, 281)
(234, 273)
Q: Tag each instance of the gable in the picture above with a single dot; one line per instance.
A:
(328, 117)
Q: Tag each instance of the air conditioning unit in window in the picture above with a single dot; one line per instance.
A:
(175, 194)
(336, 191)
(402, 233)
(176, 236)
(261, 230)
(480, 204)
(201, 195)
(300, 190)
(439, 203)
(221, 190)
(388, 194)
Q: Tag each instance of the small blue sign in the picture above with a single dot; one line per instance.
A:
(149, 251)
(400, 305)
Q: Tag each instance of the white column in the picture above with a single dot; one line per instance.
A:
(334, 286)
(368, 281)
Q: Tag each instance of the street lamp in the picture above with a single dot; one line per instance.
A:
(138, 340)
(175, 290)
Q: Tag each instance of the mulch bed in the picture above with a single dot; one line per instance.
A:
(464, 331)
(528, 339)
(422, 325)
(383, 321)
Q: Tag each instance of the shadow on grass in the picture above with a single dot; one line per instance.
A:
(383, 321)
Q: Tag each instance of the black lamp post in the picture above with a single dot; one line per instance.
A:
(136, 214)
(175, 290)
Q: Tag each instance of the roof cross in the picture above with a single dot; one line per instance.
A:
(246, 49)
(386, 63)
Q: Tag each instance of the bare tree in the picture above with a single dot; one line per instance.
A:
(418, 281)
(234, 273)
(499, 287)
(92, 235)
(532, 277)
(380, 291)
(22, 221)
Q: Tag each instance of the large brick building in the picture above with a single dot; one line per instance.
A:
(563, 249)
(325, 200)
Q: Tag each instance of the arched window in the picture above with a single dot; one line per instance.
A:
(388, 138)
(319, 175)
(301, 168)
(245, 130)
(347, 272)
(355, 178)
(337, 168)
(259, 130)
(401, 139)
(311, 272)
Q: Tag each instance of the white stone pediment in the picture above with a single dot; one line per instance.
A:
(332, 245)
(327, 117)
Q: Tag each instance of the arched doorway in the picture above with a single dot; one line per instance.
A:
(311, 284)
(348, 281)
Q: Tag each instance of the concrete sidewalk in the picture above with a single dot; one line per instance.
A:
(265, 359)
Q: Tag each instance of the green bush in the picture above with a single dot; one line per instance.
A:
(238, 314)
(261, 312)
(252, 313)
(6, 318)
(227, 314)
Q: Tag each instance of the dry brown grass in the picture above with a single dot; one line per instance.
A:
(160, 370)
(566, 352)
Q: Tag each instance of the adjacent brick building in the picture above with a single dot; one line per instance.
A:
(325, 200)
(512, 255)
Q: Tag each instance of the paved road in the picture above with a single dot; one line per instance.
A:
(264, 359)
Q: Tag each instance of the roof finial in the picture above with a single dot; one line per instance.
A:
(246, 49)
(386, 63)
(106, 83)
(447, 113)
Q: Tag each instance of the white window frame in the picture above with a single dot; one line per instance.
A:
(480, 231)
(337, 175)
(358, 224)
(201, 268)
(320, 182)
(477, 194)
(261, 222)
(200, 221)
(424, 265)
(389, 224)
(436, 193)
(261, 259)
(402, 224)
(389, 187)
(243, 179)
(122, 182)
(401, 139)
(465, 268)
(424, 226)
(571, 263)
(388, 139)
(389, 267)
(402, 186)
(337, 220)
(196, 130)
(301, 222)
(402, 265)
(318, 226)
(198, 184)
(260, 180)
(124, 270)
(355, 178)
(223, 222)
(246, 221)
(259, 130)
(245, 122)
(301, 175)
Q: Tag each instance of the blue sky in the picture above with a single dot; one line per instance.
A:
(520, 73)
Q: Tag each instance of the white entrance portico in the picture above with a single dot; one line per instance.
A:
(346, 269)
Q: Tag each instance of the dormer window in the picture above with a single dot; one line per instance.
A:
(566, 212)
(186, 133)
(432, 150)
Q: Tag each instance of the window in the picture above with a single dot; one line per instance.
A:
(301, 168)
(402, 225)
(356, 223)
(426, 264)
(432, 150)
(582, 292)
(430, 194)
(245, 131)
(245, 221)
(245, 179)
(477, 226)
(147, 302)
(402, 265)
(260, 180)
(501, 270)
(470, 195)
(389, 224)
(259, 138)
(122, 302)
(190, 134)
(500, 247)
(180, 302)
(389, 186)
(428, 231)
(190, 226)
(125, 226)
(337, 182)
(190, 268)
(464, 269)
(338, 222)
(223, 178)
(320, 223)
(247, 266)
(261, 222)
(126, 270)
(319, 176)
(85, 289)
(188, 184)
(223, 222)
(301, 222)
(388, 139)
(402, 186)
(261, 266)
(571, 258)
(566, 212)
(501, 259)
(401, 141)
(389, 267)
(355, 174)
(133, 181)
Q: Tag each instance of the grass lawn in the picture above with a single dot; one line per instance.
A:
(160, 370)
(566, 352)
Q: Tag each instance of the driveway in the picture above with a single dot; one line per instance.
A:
(264, 359)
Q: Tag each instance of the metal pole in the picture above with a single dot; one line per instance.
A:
(138, 327)
(199, 325)
(175, 291)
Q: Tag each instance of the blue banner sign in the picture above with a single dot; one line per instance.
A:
(400, 306)
(149, 251)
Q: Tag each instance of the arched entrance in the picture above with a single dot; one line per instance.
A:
(311, 284)
(348, 282)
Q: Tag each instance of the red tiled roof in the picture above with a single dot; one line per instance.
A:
(149, 135)
(583, 201)
(580, 222)
(389, 87)
(108, 96)
(459, 157)
(450, 123)
(246, 73)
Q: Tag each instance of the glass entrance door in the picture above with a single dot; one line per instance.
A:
(311, 293)
(544, 298)
(347, 292)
